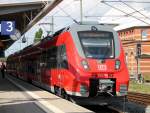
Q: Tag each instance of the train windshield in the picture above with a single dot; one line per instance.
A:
(97, 44)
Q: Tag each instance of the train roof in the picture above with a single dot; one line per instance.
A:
(53, 36)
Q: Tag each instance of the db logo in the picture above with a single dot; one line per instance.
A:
(102, 67)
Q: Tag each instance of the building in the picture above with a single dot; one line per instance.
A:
(136, 40)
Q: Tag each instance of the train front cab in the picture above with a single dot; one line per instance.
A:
(97, 69)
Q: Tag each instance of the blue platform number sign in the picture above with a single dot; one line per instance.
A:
(7, 27)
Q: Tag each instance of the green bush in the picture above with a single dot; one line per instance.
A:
(38, 35)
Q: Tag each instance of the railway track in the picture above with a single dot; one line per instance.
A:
(102, 109)
(139, 98)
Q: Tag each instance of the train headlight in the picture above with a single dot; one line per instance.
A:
(117, 64)
(85, 64)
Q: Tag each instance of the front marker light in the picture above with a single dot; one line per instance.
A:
(83, 89)
(85, 64)
(117, 64)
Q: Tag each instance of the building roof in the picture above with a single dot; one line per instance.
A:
(133, 27)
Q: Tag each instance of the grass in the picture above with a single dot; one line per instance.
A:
(146, 76)
(141, 88)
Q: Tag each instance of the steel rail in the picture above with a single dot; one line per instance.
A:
(139, 98)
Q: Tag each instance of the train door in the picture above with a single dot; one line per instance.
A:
(62, 64)
(38, 69)
(52, 66)
(44, 68)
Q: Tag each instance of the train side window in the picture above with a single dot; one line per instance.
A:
(52, 57)
(31, 68)
(62, 57)
(43, 61)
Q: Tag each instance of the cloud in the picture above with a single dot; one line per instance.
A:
(93, 10)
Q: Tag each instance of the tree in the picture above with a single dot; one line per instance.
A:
(38, 35)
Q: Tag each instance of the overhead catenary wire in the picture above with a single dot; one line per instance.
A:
(127, 1)
(134, 9)
(62, 9)
(118, 16)
(53, 15)
(75, 20)
(127, 15)
(69, 15)
(65, 6)
(93, 7)
(125, 12)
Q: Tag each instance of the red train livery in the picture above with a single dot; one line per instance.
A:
(81, 62)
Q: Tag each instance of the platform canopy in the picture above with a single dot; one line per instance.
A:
(25, 15)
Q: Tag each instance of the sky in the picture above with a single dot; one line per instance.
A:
(126, 14)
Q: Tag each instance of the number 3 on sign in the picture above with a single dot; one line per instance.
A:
(10, 26)
(7, 27)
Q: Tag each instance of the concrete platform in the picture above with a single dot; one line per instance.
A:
(14, 100)
(17, 96)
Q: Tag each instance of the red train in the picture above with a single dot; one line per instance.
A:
(82, 62)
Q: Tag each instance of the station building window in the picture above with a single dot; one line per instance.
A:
(144, 34)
